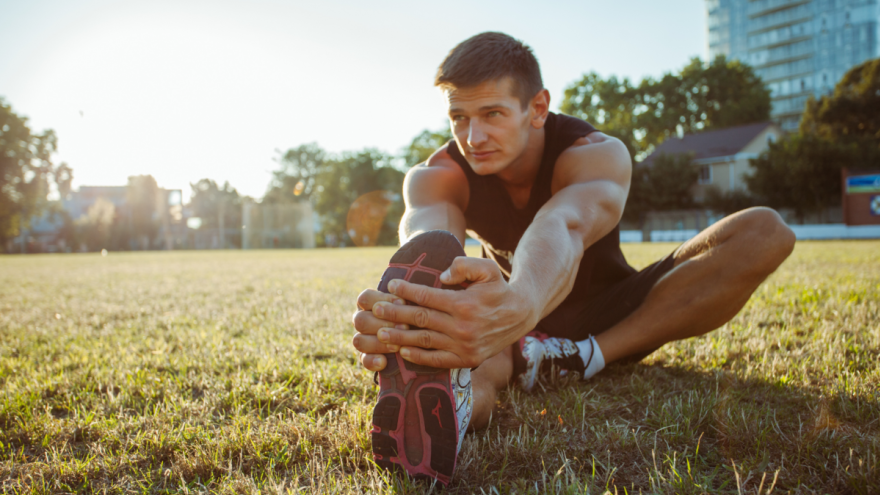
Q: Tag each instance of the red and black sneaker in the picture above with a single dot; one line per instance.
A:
(422, 412)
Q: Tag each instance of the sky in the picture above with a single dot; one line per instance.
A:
(185, 90)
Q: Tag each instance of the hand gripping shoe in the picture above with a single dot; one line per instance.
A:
(422, 412)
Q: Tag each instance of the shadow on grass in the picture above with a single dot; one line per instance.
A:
(662, 429)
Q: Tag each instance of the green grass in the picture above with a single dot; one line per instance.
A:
(232, 372)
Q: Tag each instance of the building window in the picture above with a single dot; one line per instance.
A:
(705, 174)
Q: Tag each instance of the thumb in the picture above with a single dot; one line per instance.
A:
(464, 269)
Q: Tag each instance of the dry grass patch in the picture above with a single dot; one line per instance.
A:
(232, 372)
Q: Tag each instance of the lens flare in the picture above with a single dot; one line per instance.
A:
(365, 217)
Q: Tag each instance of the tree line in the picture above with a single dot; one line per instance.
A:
(329, 182)
(801, 171)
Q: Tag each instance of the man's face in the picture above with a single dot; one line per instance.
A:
(489, 124)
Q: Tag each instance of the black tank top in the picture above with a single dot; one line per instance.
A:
(493, 219)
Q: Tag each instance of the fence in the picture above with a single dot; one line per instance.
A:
(277, 226)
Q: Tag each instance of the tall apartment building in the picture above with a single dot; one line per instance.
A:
(798, 47)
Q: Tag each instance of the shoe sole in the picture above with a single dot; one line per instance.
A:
(414, 422)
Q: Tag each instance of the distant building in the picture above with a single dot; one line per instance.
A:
(45, 231)
(798, 47)
(78, 202)
(722, 156)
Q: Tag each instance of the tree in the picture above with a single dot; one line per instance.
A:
(852, 112)
(728, 202)
(349, 176)
(803, 171)
(209, 202)
(663, 185)
(613, 105)
(218, 207)
(26, 172)
(424, 145)
(296, 176)
(333, 185)
(700, 97)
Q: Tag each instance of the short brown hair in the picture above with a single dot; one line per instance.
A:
(490, 57)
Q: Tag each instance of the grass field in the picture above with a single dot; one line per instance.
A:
(232, 372)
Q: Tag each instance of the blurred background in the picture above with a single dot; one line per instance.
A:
(266, 124)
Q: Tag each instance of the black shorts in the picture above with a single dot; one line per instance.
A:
(577, 320)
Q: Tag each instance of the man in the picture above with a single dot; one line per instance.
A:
(544, 194)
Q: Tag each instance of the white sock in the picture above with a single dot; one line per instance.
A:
(592, 356)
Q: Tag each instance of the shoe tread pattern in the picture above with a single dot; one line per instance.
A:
(438, 416)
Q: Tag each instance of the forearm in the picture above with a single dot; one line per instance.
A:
(435, 217)
(548, 256)
(545, 264)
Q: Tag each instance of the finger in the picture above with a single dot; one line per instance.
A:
(369, 344)
(369, 297)
(413, 315)
(366, 322)
(464, 269)
(427, 339)
(373, 362)
(437, 359)
(422, 295)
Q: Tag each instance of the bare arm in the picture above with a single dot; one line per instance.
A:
(435, 194)
(590, 185)
(591, 181)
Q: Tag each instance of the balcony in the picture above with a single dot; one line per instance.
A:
(776, 73)
(789, 106)
(779, 18)
(780, 36)
(784, 53)
(762, 7)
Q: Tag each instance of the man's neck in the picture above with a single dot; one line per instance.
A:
(521, 173)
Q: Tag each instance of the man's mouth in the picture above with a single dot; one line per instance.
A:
(481, 155)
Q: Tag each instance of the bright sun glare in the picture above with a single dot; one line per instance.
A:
(192, 90)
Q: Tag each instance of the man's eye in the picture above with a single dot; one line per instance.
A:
(494, 113)
(458, 118)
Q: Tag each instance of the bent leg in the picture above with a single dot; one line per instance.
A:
(487, 380)
(714, 275)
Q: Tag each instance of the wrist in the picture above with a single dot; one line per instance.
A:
(529, 304)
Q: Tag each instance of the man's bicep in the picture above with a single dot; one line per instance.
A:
(604, 160)
(590, 209)
(592, 187)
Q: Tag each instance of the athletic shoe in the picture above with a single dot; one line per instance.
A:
(422, 412)
(539, 354)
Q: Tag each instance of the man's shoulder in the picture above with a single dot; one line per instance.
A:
(442, 158)
(595, 156)
(566, 126)
(594, 137)
(440, 162)
(439, 178)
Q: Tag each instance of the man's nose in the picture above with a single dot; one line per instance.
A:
(476, 136)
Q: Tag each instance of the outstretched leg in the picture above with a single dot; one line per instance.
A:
(714, 275)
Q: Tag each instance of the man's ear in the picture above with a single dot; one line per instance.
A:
(539, 107)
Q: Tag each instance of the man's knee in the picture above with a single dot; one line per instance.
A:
(767, 238)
